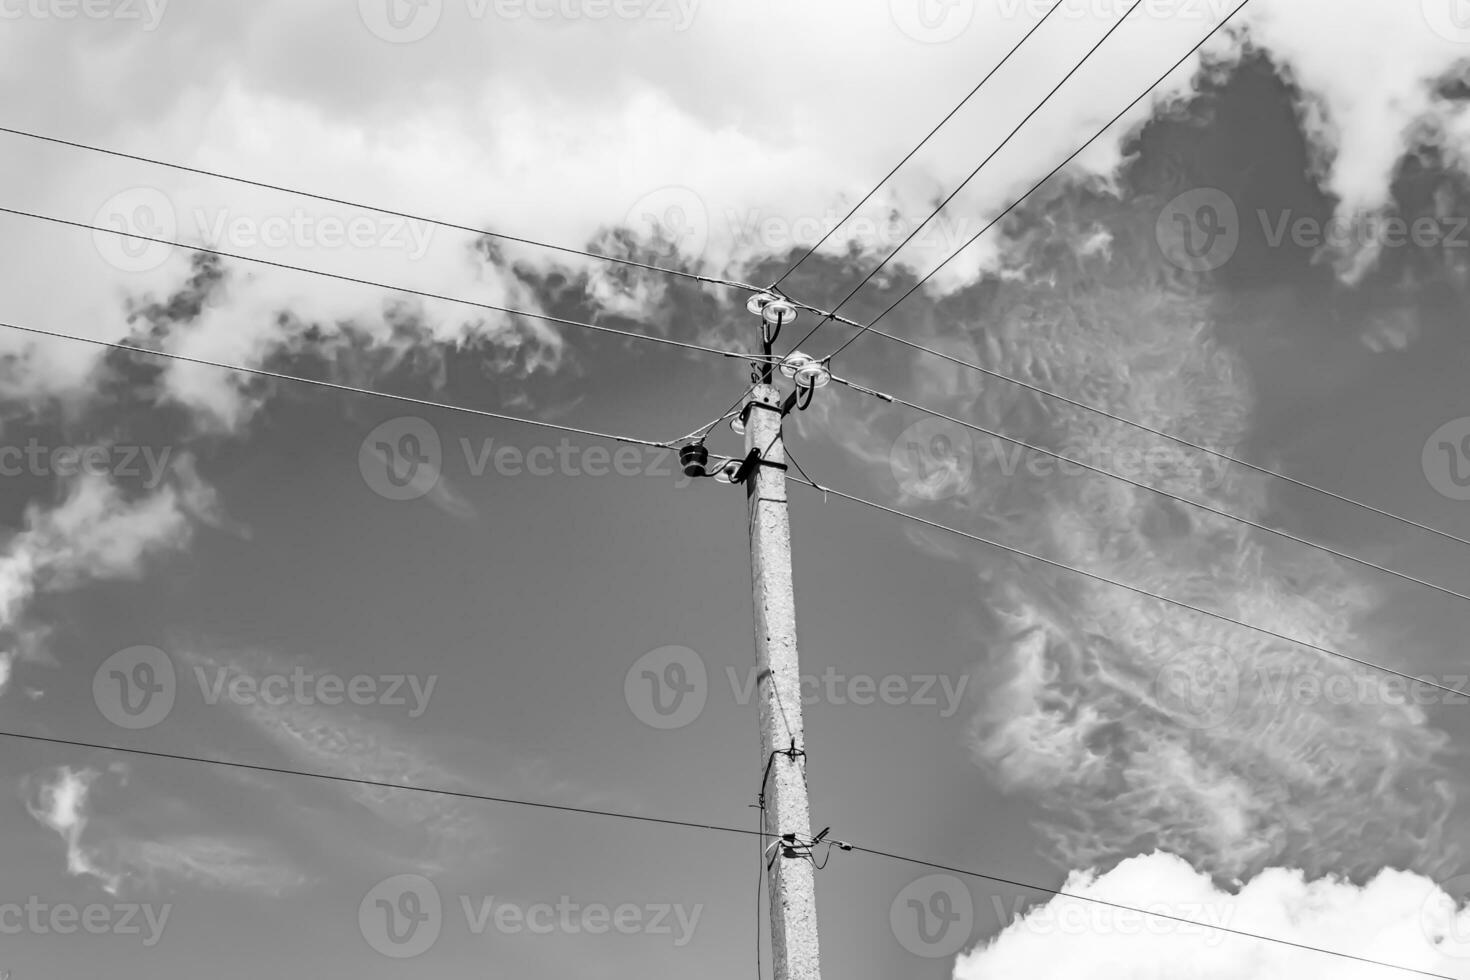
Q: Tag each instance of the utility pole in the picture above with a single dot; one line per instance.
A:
(793, 904)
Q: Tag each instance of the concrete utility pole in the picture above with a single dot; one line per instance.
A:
(794, 950)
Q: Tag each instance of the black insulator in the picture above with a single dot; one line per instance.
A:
(694, 458)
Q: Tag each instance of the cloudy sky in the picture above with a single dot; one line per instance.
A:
(1246, 294)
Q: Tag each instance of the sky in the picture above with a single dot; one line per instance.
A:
(1265, 257)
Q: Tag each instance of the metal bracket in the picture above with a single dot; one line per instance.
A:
(750, 462)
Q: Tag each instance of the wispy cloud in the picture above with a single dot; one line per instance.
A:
(118, 858)
(341, 742)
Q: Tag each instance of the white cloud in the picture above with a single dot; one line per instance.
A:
(116, 858)
(98, 532)
(480, 123)
(61, 804)
(1398, 918)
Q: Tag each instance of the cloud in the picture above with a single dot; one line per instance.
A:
(118, 858)
(1077, 712)
(60, 803)
(1397, 917)
(677, 143)
(342, 742)
(98, 532)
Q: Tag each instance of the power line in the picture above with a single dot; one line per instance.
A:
(1037, 186)
(670, 822)
(1158, 915)
(974, 173)
(368, 207)
(1142, 427)
(864, 328)
(335, 386)
(384, 784)
(387, 286)
(1098, 577)
(908, 156)
(1158, 490)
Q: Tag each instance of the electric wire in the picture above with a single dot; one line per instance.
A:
(368, 207)
(930, 135)
(1178, 440)
(1138, 590)
(383, 784)
(389, 287)
(336, 386)
(974, 173)
(1039, 184)
(685, 824)
(1207, 508)
(1158, 915)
